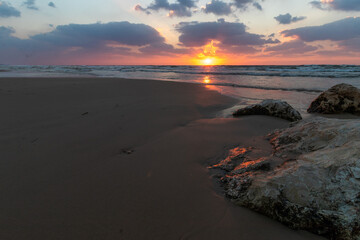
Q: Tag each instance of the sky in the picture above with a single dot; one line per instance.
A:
(179, 32)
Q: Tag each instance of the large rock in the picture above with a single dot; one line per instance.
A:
(270, 107)
(311, 181)
(341, 98)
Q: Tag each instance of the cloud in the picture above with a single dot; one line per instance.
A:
(5, 32)
(6, 10)
(317, 4)
(141, 9)
(287, 18)
(336, 31)
(291, 47)
(351, 44)
(218, 7)
(162, 48)
(188, 3)
(244, 49)
(89, 35)
(51, 4)
(230, 36)
(74, 41)
(30, 4)
(341, 5)
(345, 35)
(186, 8)
(258, 6)
(182, 8)
(243, 4)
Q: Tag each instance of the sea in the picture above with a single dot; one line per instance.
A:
(298, 85)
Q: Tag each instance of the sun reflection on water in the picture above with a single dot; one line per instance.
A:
(206, 80)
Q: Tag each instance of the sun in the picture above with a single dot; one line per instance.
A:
(208, 56)
(208, 61)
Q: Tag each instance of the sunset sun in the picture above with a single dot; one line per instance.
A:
(208, 61)
(208, 56)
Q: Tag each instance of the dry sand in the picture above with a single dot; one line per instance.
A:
(121, 159)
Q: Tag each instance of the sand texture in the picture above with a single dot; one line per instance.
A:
(121, 159)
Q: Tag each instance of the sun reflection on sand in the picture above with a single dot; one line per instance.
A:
(233, 153)
(249, 163)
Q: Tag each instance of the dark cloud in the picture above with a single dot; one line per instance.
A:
(243, 4)
(351, 44)
(344, 29)
(51, 4)
(30, 4)
(344, 34)
(287, 18)
(188, 3)
(218, 7)
(181, 8)
(317, 4)
(13, 49)
(88, 35)
(292, 47)
(79, 40)
(162, 48)
(231, 37)
(341, 5)
(186, 8)
(225, 49)
(6, 32)
(258, 6)
(6, 10)
(159, 4)
(141, 9)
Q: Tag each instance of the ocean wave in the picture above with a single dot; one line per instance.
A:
(305, 71)
(265, 74)
(320, 71)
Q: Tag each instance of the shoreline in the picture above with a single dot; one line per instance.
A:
(229, 91)
(110, 158)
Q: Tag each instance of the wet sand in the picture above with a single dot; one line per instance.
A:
(121, 159)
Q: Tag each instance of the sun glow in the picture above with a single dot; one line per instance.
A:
(208, 57)
(208, 61)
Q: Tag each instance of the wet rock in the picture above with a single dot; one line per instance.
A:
(270, 107)
(341, 98)
(311, 181)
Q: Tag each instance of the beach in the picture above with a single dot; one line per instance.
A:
(296, 84)
(109, 158)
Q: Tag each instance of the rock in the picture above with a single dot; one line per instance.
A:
(311, 181)
(341, 98)
(271, 107)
